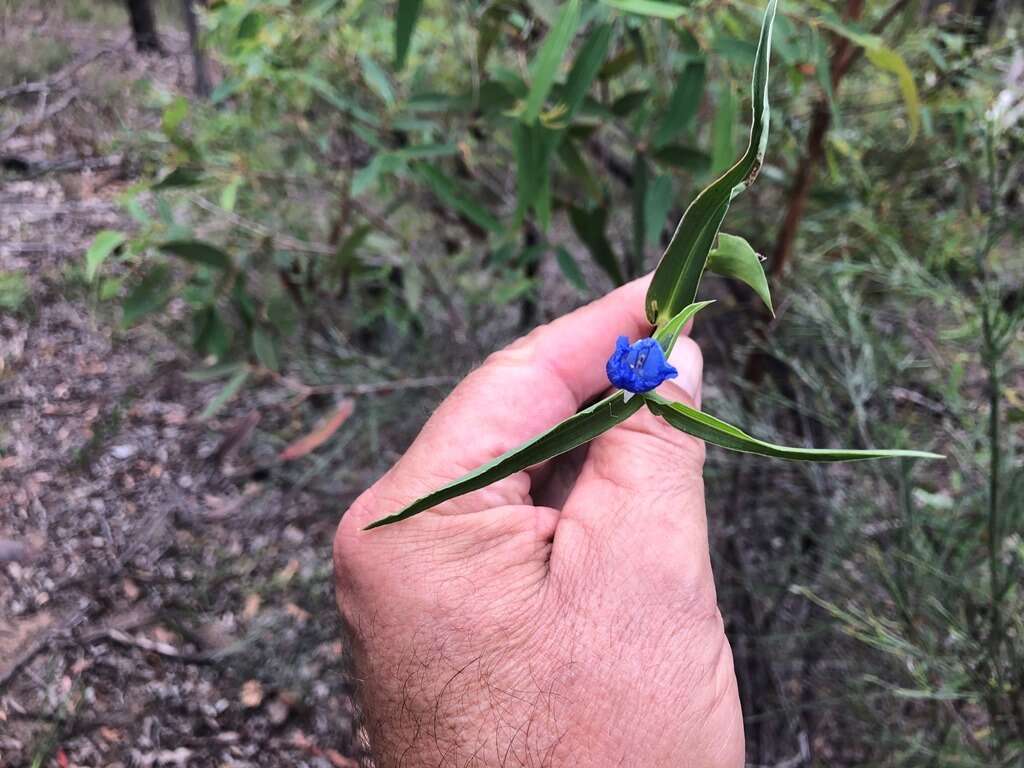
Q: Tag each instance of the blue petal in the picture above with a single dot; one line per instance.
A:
(639, 367)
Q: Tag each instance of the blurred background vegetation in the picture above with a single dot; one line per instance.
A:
(345, 199)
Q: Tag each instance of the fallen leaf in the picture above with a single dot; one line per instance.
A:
(252, 606)
(301, 615)
(321, 434)
(109, 734)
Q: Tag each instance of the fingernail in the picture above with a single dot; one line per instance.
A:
(687, 359)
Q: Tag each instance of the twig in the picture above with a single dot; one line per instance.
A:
(285, 241)
(62, 75)
(65, 101)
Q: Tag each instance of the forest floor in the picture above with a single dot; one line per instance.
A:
(162, 602)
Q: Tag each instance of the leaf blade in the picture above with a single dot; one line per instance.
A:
(405, 24)
(715, 431)
(734, 257)
(550, 56)
(678, 274)
(571, 433)
(104, 244)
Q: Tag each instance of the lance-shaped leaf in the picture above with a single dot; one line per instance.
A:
(736, 259)
(571, 433)
(717, 432)
(197, 252)
(675, 281)
(542, 75)
(668, 333)
(405, 23)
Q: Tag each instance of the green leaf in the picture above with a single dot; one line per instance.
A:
(13, 290)
(265, 348)
(736, 259)
(888, 60)
(450, 194)
(542, 74)
(102, 246)
(174, 114)
(590, 228)
(377, 79)
(641, 174)
(687, 158)
(212, 336)
(405, 23)
(668, 333)
(180, 177)
(149, 295)
(675, 281)
(229, 391)
(229, 195)
(654, 8)
(570, 269)
(585, 68)
(657, 202)
(197, 252)
(250, 26)
(573, 432)
(683, 104)
(629, 102)
(723, 147)
(717, 432)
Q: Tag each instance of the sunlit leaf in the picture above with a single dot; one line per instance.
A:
(734, 257)
(574, 431)
(888, 60)
(675, 281)
(718, 432)
(377, 79)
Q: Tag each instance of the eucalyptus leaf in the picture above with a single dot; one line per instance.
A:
(675, 281)
(718, 432)
(198, 252)
(571, 433)
(735, 258)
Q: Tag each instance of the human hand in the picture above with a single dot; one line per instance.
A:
(563, 616)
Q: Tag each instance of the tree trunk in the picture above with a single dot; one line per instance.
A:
(140, 13)
(201, 81)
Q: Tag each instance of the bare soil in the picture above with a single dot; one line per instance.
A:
(164, 599)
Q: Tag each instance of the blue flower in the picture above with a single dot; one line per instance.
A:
(640, 367)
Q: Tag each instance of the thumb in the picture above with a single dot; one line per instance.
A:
(640, 492)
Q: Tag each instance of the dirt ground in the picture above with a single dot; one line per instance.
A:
(164, 599)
